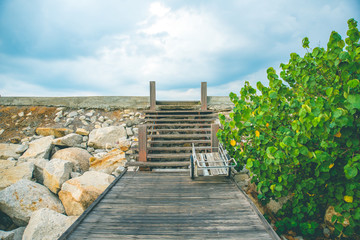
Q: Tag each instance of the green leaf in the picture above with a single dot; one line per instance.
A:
(339, 227)
(350, 172)
(249, 163)
(279, 188)
(353, 83)
(356, 214)
(288, 141)
(272, 94)
(305, 42)
(329, 91)
(354, 101)
(337, 113)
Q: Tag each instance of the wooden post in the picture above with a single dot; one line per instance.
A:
(214, 140)
(142, 143)
(152, 95)
(203, 96)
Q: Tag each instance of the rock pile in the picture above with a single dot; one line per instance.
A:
(48, 179)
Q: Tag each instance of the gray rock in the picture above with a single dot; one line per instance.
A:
(1, 131)
(85, 138)
(83, 145)
(39, 164)
(15, 234)
(22, 148)
(93, 119)
(79, 157)
(24, 197)
(81, 111)
(106, 137)
(47, 224)
(129, 132)
(56, 172)
(69, 121)
(75, 174)
(40, 148)
(136, 131)
(82, 118)
(59, 114)
(90, 149)
(72, 114)
(8, 150)
(4, 235)
(5, 222)
(85, 123)
(57, 119)
(101, 119)
(70, 140)
(90, 114)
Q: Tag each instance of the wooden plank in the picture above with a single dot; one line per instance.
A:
(177, 120)
(177, 115)
(180, 130)
(157, 164)
(179, 125)
(203, 96)
(179, 111)
(178, 141)
(169, 155)
(173, 136)
(152, 96)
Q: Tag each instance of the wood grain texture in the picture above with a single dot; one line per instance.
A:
(145, 205)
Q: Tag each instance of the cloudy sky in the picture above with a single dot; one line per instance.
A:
(114, 48)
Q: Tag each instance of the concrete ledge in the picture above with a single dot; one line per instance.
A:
(103, 102)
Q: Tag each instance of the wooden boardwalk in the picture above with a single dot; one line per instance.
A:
(146, 205)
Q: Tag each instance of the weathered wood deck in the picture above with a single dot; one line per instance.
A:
(146, 205)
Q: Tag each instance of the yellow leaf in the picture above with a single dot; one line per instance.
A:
(272, 187)
(311, 195)
(253, 113)
(326, 185)
(267, 124)
(331, 165)
(348, 199)
(297, 131)
(338, 134)
(232, 142)
(257, 133)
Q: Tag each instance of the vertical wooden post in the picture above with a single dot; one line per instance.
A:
(142, 143)
(203, 96)
(214, 140)
(152, 95)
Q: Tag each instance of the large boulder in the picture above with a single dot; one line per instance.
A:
(109, 162)
(47, 224)
(5, 164)
(70, 140)
(40, 164)
(78, 156)
(24, 197)
(107, 137)
(12, 175)
(8, 150)
(15, 234)
(56, 172)
(56, 132)
(40, 148)
(77, 194)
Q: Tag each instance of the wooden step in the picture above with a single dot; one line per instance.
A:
(180, 130)
(178, 125)
(180, 136)
(178, 141)
(177, 148)
(179, 111)
(157, 164)
(169, 155)
(179, 120)
(181, 115)
(174, 103)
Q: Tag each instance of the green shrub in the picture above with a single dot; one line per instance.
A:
(301, 135)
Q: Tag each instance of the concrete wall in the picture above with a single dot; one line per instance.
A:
(103, 102)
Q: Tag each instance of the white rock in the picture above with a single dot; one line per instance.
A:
(77, 194)
(22, 148)
(21, 114)
(129, 132)
(124, 144)
(1, 131)
(15, 234)
(75, 174)
(70, 140)
(90, 114)
(79, 157)
(59, 114)
(8, 150)
(57, 119)
(47, 224)
(82, 118)
(56, 172)
(24, 197)
(72, 114)
(5, 164)
(40, 164)
(69, 121)
(93, 119)
(12, 175)
(106, 137)
(39, 148)
(101, 119)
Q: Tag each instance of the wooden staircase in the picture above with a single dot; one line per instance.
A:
(170, 129)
